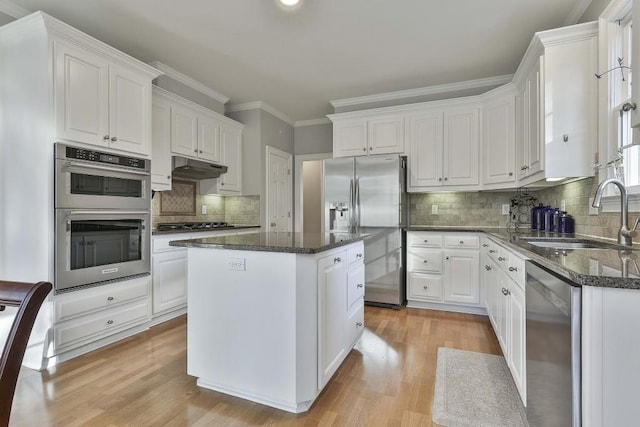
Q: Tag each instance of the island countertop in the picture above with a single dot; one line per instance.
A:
(301, 243)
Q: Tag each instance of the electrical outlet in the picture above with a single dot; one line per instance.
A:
(505, 209)
(563, 205)
(434, 209)
(204, 209)
(592, 210)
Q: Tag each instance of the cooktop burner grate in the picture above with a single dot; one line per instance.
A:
(193, 225)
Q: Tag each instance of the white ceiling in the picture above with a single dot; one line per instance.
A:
(298, 60)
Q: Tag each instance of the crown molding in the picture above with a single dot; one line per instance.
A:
(261, 105)
(616, 9)
(578, 10)
(429, 90)
(188, 81)
(13, 10)
(312, 122)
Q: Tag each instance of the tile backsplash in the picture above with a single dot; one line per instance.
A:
(231, 209)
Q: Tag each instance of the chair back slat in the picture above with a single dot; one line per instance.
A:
(28, 297)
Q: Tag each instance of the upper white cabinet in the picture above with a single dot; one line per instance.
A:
(443, 148)
(101, 101)
(556, 111)
(362, 136)
(635, 64)
(498, 137)
(183, 128)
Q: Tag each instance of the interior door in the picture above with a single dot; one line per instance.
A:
(279, 190)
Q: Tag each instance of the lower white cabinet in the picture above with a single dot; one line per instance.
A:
(443, 269)
(505, 297)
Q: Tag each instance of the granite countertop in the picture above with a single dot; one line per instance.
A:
(198, 230)
(586, 267)
(301, 243)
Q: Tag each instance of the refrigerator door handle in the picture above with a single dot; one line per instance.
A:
(352, 205)
(357, 205)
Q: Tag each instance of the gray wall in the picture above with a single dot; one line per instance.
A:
(189, 93)
(314, 139)
(5, 19)
(276, 133)
(312, 198)
(594, 10)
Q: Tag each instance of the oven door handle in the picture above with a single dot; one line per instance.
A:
(70, 164)
(71, 213)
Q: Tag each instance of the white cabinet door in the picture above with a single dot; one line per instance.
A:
(517, 338)
(522, 133)
(425, 146)
(231, 156)
(461, 270)
(386, 135)
(332, 303)
(81, 95)
(498, 129)
(502, 312)
(208, 138)
(461, 147)
(129, 110)
(169, 281)
(535, 143)
(184, 131)
(350, 138)
(425, 286)
(161, 145)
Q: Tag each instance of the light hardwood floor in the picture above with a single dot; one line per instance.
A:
(387, 380)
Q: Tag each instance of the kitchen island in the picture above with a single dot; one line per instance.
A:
(273, 315)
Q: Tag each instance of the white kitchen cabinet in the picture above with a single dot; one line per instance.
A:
(209, 135)
(443, 271)
(161, 144)
(444, 149)
(556, 115)
(498, 138)
(635, 63)
(231, 156)
(184, 130)
(332, 300)
(100, 101)
(361, 136)
(169, 281)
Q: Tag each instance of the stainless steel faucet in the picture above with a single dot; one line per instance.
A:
(625, 234)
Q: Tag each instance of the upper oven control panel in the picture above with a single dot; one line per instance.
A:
(68, 152)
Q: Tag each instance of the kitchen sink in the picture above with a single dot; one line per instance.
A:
(572, 243)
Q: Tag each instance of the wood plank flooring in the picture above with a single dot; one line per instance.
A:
(387, 380)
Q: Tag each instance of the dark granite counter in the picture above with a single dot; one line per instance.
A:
(198, 230)
(587, 267)
(301, 243)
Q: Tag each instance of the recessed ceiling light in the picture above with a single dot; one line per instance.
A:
(289, 3)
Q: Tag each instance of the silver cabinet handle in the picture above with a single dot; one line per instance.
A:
(484, 245)
(337, 259)
(110, 299)
(513, 269)
(510, 173)
(106, 137)
(358, 255)
(506, 292)
(492, 251)
(359, 324)
(501, 258)
(425, 261)
(426, 241)
(487, 267)
(109, 322)
(462, 242)
(114, 139)
(360, 285)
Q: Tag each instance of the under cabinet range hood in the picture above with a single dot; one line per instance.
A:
(196, 169)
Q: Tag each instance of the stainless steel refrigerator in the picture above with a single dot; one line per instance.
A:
(368, 195)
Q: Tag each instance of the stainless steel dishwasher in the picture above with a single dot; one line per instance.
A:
(553, 349)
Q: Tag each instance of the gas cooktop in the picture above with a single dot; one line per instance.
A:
(193, 225)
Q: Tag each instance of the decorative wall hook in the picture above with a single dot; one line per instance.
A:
(620, 66)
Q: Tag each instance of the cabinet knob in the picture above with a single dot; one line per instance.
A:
(273, 224)
(337, 259)
(370, 148)
(491, 251)
(114, 139)
(510, 173)
(487, 267)
(439, 179)
(446, 179)
(168, 176)
(364, 149)
(522, 168)
(109, 322)
(195, 151)
(426, 241)
(360, 285)
(200, 151)
(447, 258)
(462, 242)
(513, 269)
(358, 324)
(109, 298)
(506, 292)
(484, 245)
(501, 258)
(425, 287)
(425, 261)
(358, 255)
(106, 137)
(222, 183)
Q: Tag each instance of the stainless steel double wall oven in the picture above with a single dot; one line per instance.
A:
(102, 216)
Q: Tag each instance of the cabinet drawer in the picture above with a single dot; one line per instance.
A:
(424, 260)
(424, 240)
(461, 241)
(106, 323)
(355, 284)
(515, 269)
(355, 253)
(161, 243)
(87, 301)
(355, 324)
(425, 286)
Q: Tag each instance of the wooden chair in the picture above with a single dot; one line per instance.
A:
(28, 297)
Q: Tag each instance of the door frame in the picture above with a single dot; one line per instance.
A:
(269, 151)
(298, 192)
